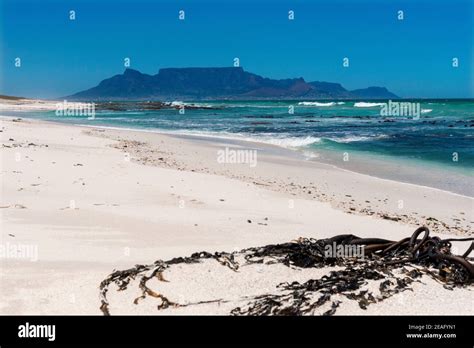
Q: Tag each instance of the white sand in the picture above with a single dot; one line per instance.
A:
(172, 199)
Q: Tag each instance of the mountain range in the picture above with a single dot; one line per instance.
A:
(218, 83)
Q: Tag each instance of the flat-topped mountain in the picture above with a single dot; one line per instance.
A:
(218, 83)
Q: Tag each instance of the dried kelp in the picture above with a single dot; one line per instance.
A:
(394, 264)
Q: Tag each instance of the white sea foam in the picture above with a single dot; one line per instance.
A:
(277, 140)
(367, 104)
(307, 103)
(196, 105)
(289, 142)
(349, 139)
(356, 138)
(316, 104)
(310, 154)
(425, 111)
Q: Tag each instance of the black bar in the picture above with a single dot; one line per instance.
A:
(136, 331)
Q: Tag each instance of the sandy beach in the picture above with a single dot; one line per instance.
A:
(91, 201)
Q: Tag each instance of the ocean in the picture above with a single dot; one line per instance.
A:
(436, 135)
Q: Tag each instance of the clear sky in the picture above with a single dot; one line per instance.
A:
(411, 57)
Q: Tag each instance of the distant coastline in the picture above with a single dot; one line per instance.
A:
(232, 83)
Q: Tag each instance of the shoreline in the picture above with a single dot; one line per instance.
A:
(94, 200)
(372, 161)
(284, 151)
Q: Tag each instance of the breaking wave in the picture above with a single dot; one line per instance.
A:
(367, 105)
(355, 138)
(196, 105)
(290, 142)
(306, 103)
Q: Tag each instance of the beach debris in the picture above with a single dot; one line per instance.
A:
(388, 217)
(395, 265)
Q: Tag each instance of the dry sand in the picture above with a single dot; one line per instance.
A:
(95, 200)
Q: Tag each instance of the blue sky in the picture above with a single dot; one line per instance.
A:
(412, 57)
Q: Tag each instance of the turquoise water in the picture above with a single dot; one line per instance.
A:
(444, 127)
